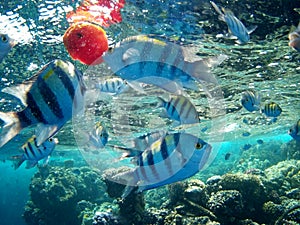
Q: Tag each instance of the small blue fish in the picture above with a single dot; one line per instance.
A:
(174, 158)
(250, 100)
(235, 26)
(271, 109)
(295, 131)
(51, 98)
(33, 153)
(294, 38)
(113, 86)
(98, 137)
(247, 146)
(148, 60)
(181, 109)
(6, 44)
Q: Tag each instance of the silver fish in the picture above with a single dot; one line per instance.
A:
(6, 44)
(98, 137)
(235, 26)
(294, 38)
(271, 109)
(164, 64)
(251, 100)
(50, 98)
(33, 152)
(181, 109)
(174, 158)
(113, 86)
(295, 131)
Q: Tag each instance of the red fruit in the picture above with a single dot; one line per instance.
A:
(86, 42)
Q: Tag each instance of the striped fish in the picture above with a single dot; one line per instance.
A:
(174, 158)
(235, 26)
(50, 97)
(113, 86)
(271, 109)
(251, 100)
(33, 152)
(164, 64)
(6, 44)
(181, 109)
(295, 131)
(98, 137)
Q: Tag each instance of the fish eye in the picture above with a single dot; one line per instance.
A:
(50, 139)
(110, 49)
(198, 145)
(4, 38)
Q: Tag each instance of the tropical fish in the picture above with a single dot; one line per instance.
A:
(251, 100)
(164, 64)
(50, 98)
(113, 86)
(294, 38)
(86, 42)
(181, 109)
(295, 131)
(6, 44)
(33, 152)
(174, 158)
(235, 26)
(271, 109)
(98, 137)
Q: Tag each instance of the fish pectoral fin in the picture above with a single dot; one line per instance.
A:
(137, 86)
(251, 29)
(130, 56)
(44, 132)
(45, 161)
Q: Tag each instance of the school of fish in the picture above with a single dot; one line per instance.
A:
(57, 93)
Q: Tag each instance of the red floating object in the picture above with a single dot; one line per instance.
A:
(86, 42)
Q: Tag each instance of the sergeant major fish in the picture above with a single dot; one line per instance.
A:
(98, 137)
(6, 44)
(174, 158)
(271, 109)
(147, 60)
(33, 153)
(251, 101)
(235, 26)
(294, 38)
(113, 86)
(295, 131)
(181, 109)
(50, 97)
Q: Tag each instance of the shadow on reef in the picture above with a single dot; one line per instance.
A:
(78, 196)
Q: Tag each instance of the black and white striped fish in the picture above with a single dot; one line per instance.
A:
(272, 109)
(174, 158)
(164, 64)
(251, 100)
(294, 131)
(235, 26)
(50, 98)
(33, 152)
(181, 109)
(113, 86)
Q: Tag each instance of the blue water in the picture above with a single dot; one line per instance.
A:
(266, 64)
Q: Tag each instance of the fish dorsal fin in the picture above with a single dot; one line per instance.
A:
(131, 55)
(20, 91)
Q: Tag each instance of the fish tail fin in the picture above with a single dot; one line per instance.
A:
(17, 160)
(12, 126)
(200, 70)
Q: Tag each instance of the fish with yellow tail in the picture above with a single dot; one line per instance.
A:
(142, 59)
(235, 26)
(33, 153)
(176, 157)
(181, 109)
(294, 38)
(50, 98)
(6, 44)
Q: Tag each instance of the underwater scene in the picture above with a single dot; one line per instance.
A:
(149, 112)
